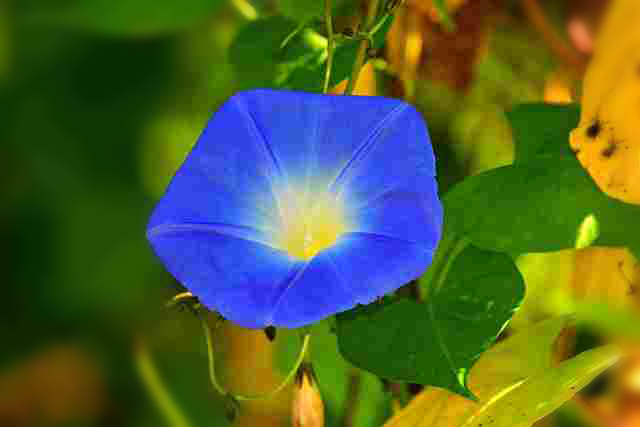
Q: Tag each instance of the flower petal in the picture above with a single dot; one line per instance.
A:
(240, 279)
(411, 212)
(398, 157)
(228, 178)
(375, 265)
(315, 292)
(315, 137)
(359, 269)
(244, 190)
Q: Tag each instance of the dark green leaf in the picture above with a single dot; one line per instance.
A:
(258, 57)
(436, 342)
(260, 60)
(542, 129)
(536, 207)
(129, 17)
(304, 10)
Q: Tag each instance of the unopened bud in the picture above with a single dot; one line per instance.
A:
(270, 332)
(307, 407)
(231, 408)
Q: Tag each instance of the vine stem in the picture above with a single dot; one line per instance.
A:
(210, 354)
(156, 388)
(240, 397)
(362, 49)
(330, 45)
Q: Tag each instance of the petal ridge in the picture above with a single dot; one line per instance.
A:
(292, 279)
(341, 278)
(366, 145)
(237, 231)
(255, 129)
(389, 189)
(382, 236)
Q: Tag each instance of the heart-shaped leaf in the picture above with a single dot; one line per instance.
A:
(542, 129)
(537, 206)
(275, 52)
(438, 341)
(516, 382)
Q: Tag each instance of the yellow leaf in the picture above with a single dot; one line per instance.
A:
(516, 383)
(607, 140)
(532, 399)
(607, 275)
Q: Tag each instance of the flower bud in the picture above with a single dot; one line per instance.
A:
(307, 407)
(270, 332)
(231, 408)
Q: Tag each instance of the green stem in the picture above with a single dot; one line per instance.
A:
(291, 35)
(362, 49)
(330, 45)
(210, 354)
(379, 25)
(154, 385)
(239, 397)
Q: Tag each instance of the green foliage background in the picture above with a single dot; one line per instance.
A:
(101, 100)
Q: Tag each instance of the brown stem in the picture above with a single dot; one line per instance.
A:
(536, 15)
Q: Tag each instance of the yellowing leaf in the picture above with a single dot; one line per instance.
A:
(607, 140)
(607, 275)
(515, 381)
(528, 401)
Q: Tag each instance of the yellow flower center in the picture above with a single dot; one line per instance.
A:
(311, 223)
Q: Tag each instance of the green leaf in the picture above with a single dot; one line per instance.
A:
(130, 18)
(634, 247)
(542, 129)
(516, 381)
(536, 207)
(438, 341)
(304, 10)
(260, 59)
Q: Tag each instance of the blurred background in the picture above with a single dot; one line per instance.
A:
(100, 100)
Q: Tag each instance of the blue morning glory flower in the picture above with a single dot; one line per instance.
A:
(294, 206)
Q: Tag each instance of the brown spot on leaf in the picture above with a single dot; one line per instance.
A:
(594, 129)
(609, 150)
